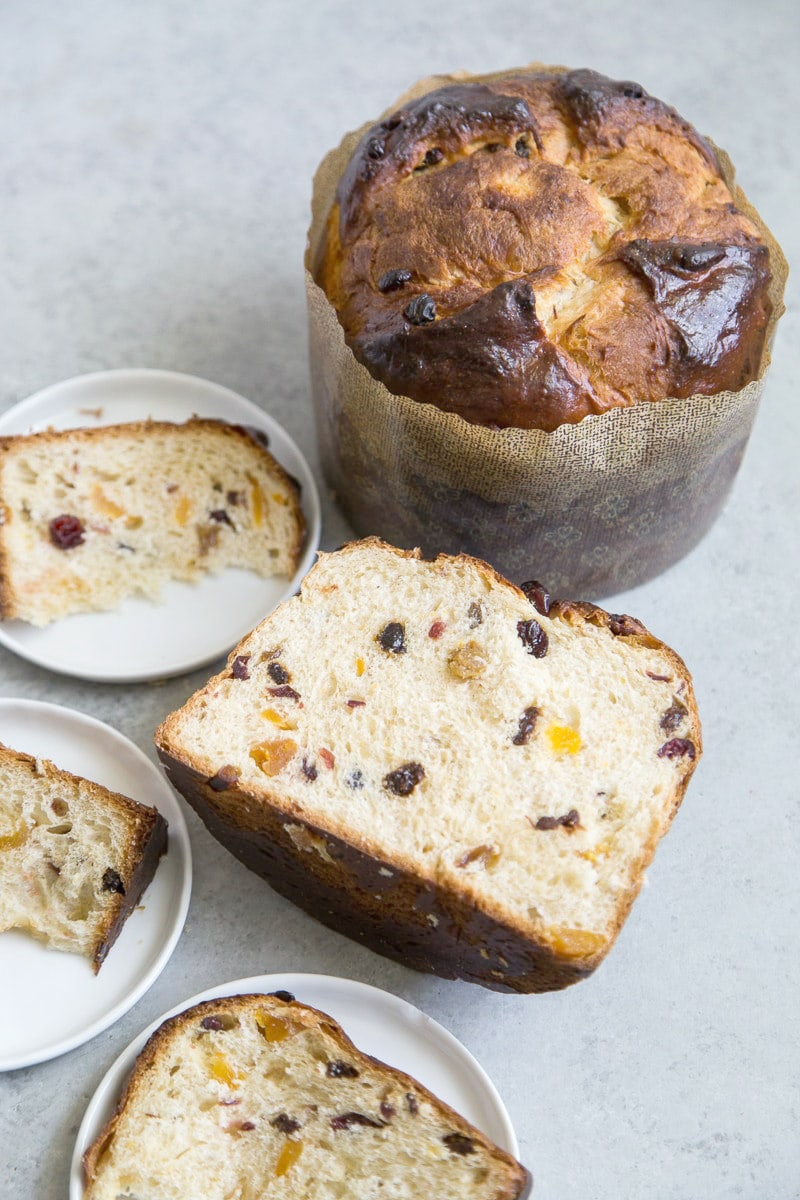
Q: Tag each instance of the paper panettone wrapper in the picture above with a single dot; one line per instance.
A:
(588, 509)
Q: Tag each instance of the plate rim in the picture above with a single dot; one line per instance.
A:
(310, 504)
(256, 983)
(178, 830)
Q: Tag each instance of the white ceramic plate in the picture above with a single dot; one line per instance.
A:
(51, 1002)
(382, 1025)
(194, 623)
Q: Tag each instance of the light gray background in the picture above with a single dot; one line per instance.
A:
(156, 162)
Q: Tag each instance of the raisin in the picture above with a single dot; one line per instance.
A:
(403, 781)
(673, 717)
(356, 703)
(246, 1126)
(354, 1118)
(285, 692)
(487, 856)
(699, 258)
(459, 1143)
(355, 779)
(392, 281)
(234, 498)
(211, 1023)
(436, 630)
(225, 777)
(475, 614)
(285, 1124)
(677, 748)
(493, 147)
(432, 157)
(522, 148)
(221, 517)
(340, 1070)
(468, 661)
(376, 149)
(533, 637)
(568, 820)
(66, 531)
(392, 638)
(239, 667)
(411, 1102)
(277, 673)
(527, 724)
(659, 678)
(112, 882)
(282, 994)
(421, 310)
(309, 770)
(621, 625)
(538, 596)
(571, 819)
(387, 1110)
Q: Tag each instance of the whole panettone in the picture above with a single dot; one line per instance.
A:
(531, 250)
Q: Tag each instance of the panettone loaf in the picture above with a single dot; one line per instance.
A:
(254, 1096)
(75, 857)
(466, 776)
(89, 516)
(530, 250)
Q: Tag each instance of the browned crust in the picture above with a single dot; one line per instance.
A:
(254, 439)
(664, 325)
(517, 1188)
(418, 921)
(142, 852)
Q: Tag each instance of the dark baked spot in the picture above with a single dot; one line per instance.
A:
(346, 1120)
(421, 310)
(285, 1124)
(376, 149)
(125, 546)
(392, 638)
(257, 435)
(112, 882)
(411, 1103)
(221, 517)
(355, 779)
(308, 769)
(533, 637)
(432, 157)
(282, 994)
(522, 148)
(538, 596)
(493, 147)
(284, 692)
(341, 1070)
(526, 726)
(235, 498)
(677, 748)
(569, 820)
(60, 807)
(239, 667)
(277, 673)
(392, 281)
(403, 781)
(66, 531)
(225, 777)
(673, 716)
(459, 1143)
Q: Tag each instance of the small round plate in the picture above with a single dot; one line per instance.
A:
(382, 1025)
(50, 1001)
(193, 623)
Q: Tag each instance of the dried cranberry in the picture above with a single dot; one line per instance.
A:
(112, 882)
(211, 1023)
(436, 630)
(66, 531)
(432, 157)
(225, 777)
(219, 515)
(522, 148)
(392, 638)
(659, 678)
(239, 667)
(392, 281)
(533, 637)
(285, 1124)
(356, 703)
(677, 748)
(284, 692)
(459, 1143)
(527, 724)
(673, 717)
(354, 1118)
(421, 310)
(538, 596)
(340, 1070)
(327, 757)
(277, 673)
(282, 994)
(403, 781)
(246, 1126)
(309, 770)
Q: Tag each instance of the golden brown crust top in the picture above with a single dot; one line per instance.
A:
(541, 247)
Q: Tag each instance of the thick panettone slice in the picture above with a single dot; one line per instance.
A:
(460, 773)
(255, 1096)
(90, 516)
(74, 856)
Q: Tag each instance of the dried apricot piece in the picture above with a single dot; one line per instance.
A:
(272, 756)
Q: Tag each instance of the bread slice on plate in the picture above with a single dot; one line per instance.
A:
(254, 1096)
(458, 772)
(90, 516)
(75, 857)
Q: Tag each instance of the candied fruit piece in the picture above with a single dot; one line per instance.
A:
(272, 1029)
(269, 714)
(222, 1071)
(360, 666)
(105, 506)
(575, 943)
(601, 850)
(182, 511)
(563, 740)
(257, 501)
(272, 756)
(12, 841)
(290, 1152)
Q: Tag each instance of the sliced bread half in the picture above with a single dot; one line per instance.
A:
(257, 1095)
(75, 857)
(458, 772)
(89, 516)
